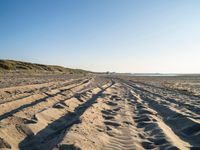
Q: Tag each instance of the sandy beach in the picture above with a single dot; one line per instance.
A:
(95, 112)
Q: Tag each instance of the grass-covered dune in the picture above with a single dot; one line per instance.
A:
(12, 65)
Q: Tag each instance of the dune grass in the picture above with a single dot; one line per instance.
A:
(12, 65)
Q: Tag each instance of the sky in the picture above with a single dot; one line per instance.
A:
(137, 36)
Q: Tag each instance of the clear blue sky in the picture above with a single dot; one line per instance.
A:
(103, 35)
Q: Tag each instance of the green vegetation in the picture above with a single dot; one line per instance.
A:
(11, 65)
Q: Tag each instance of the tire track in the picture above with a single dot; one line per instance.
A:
(172, 118)
(44, 97)
(59, 127)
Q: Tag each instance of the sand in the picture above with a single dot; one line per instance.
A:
(99, 112)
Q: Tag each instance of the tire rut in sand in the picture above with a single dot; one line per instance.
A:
(33, 101)
(120, 124)
(55, 131)
(15, 123)
(162, 126)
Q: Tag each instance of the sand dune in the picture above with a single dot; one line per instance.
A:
(96, 112)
